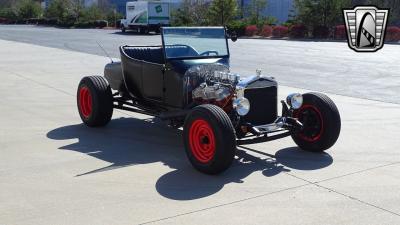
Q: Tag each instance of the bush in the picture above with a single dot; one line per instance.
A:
(266, 31)
(100, 23)
(238, 26)
(91, 24)
(66, 22)
(280, 31)
(9, 14)
(21, 21)
(32, 21)
(340, 32)
(298, 31)
(251, 30)
(113, 18)
(82, 24)
(91, 13)
(393, 33)
(50, 21)
(29, 9)
(64, 11)
(321, 32)
(4, 21)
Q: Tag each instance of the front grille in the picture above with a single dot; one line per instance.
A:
(262, 95)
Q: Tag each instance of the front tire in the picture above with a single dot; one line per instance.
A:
(321, 121)
(95, 101)
(209, 139)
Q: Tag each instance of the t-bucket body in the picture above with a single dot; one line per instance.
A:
(187, 81)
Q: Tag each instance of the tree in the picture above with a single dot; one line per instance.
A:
(91, 13)
(181, 17)
(7, 4)
(29, 9)
(191, 13)
(9, 13)
(394, 6)
(113, 16)
(327, 13)
(222, 12)
(255, 9)
(65, 11)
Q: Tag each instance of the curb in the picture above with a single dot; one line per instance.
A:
(305, 39)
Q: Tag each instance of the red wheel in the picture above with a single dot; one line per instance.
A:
(85, 101)
(202, 140)
(313, 122)
(95, 101)
(321, 123)
(210, 140)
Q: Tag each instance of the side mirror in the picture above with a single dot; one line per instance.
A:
(234, 36)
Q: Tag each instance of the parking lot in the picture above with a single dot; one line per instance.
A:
(54, 170)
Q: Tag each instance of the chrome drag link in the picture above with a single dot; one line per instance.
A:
(282, 126)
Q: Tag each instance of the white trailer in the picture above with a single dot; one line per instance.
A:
(146, 16)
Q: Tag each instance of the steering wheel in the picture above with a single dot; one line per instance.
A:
(209, 52)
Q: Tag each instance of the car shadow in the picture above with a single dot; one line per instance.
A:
(129, 141)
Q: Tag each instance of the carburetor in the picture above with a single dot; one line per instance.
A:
(217, 94)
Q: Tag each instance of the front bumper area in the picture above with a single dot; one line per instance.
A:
(280, 128)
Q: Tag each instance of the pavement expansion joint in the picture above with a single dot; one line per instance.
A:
(38, 83)
(225, 204)
(317, 184)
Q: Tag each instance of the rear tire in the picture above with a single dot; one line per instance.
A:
(321, 120)
(142, 30)
(95, 101)
(209, 139)
(157, 30)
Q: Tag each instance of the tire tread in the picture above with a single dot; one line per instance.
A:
(102, 100)
(332, 121)
(223, 128)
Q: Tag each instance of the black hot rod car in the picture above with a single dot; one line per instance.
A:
(187, 82)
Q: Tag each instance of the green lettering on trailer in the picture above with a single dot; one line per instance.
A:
(159, 9)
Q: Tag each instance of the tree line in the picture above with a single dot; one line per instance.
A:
(219, 12)
(307, 12)
(328, 13)
(314, 18)
(60, 12)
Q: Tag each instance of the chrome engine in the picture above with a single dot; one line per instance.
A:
(216, 92)
(212, 84)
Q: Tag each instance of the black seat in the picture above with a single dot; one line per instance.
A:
(180, 51)
(148, 54)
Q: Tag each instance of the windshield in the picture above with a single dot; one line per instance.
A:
(195, 42)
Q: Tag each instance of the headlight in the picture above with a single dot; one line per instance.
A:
(295, 100)
(242, 106)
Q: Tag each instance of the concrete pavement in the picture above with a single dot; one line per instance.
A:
(54, 170)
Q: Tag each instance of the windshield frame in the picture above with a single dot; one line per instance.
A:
(194, 57)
